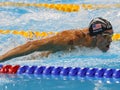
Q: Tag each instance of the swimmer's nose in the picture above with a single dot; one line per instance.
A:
(110, 40)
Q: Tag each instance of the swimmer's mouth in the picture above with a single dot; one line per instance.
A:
(108, 46)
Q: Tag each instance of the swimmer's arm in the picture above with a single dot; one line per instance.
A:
(48, 44)
(25, 49)
(38, 45)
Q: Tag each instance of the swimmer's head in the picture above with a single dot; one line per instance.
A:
(98, 26)
(102, 30)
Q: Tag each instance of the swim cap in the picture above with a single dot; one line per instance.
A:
(99, 25)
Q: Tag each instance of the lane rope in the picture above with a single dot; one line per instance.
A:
(61, 71)
(28, 34)
(62, 7)
(36, 34)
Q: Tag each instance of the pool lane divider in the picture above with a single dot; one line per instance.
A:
(62, 7)
(59, 7)
(60, 71)
(28, 34)
(36, 34)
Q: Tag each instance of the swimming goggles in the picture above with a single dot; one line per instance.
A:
(107, 35)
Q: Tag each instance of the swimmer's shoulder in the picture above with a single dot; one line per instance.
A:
(73, 32)
(83, 31)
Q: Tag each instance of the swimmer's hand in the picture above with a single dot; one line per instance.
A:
(42, 54)
(45, 54)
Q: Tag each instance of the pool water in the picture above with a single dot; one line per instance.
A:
(42, 19)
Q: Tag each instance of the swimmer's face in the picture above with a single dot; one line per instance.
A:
(104, 40)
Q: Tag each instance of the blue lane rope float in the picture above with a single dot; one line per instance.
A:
(60, 71)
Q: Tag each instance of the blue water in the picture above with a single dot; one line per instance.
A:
(42, 19)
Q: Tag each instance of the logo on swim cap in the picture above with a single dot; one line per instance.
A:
(99, 25)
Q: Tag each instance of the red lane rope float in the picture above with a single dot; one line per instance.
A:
(61, 71)
(14, 69)
(5, 69)
(9, 69)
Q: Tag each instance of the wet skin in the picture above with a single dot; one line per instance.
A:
(65, 40)
(104, 40)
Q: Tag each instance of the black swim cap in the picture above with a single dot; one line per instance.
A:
(99, 25)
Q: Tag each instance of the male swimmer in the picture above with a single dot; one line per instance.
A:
(98, 34)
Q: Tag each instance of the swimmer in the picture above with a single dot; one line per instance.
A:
(98, 34)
